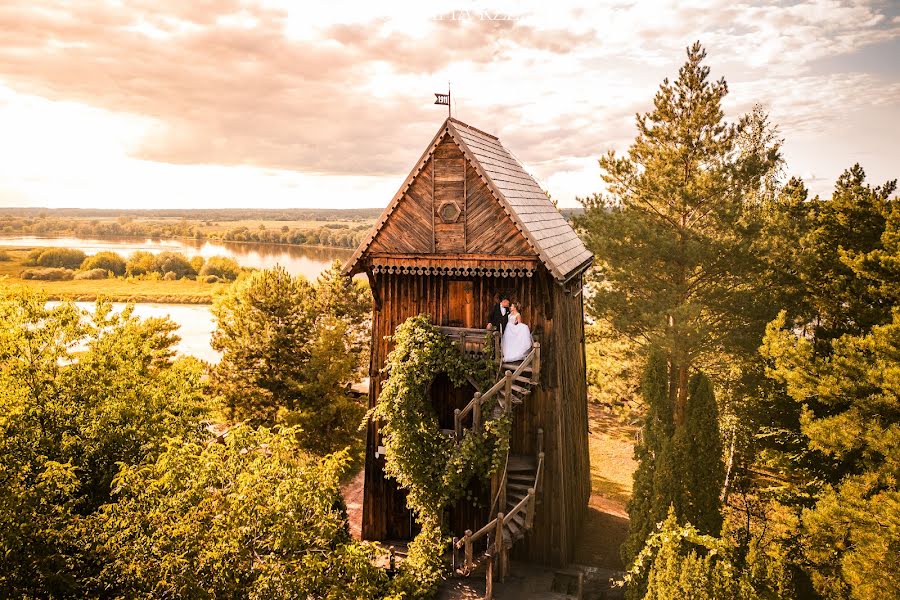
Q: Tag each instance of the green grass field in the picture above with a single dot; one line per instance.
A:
(182, 291)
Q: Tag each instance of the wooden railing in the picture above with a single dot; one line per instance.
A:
(475, 405)
(471, 340)
(497, 547)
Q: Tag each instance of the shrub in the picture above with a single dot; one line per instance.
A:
(48, 274)
(4, 256)
(211, 279)
(197, 263)
(222, 267)
(64, 258)
(108, 261)
(92, 274)
(174, 262)
(140, 263)
(170, 276)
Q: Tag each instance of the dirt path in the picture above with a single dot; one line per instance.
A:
(353, 497)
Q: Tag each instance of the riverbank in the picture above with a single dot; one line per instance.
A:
(119, 289)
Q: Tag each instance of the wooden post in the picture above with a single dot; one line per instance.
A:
(536, 365)
(540, 478)
(392, 559)
(467, 553)
(476, 412)
(501, 502)
(529, 510)
(498, 533)
(489, 578)
(540, 440)
(498, 352)
(455, 554)
(457, 426)
(507, 390)
(579, 594)
(504, 563)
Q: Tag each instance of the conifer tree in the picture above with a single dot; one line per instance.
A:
(671, 236)
(650, 497)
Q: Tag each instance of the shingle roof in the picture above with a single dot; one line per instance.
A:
(551, 236)
(560, 248)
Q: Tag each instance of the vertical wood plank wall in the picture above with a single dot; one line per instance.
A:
(559, 405)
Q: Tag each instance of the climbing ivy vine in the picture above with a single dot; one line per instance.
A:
(433, 468)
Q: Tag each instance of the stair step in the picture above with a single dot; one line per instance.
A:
(522, 379)
(518, 487)
(514, 366)
(515, 529)
(518, 463)
(521, 390)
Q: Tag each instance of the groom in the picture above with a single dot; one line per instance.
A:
(499, 313)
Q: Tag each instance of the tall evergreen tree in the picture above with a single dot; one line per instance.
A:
(679, 470)
(672, 243)
(698, 451)
(649, 499)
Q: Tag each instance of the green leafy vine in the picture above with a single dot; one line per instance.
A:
(433, 468)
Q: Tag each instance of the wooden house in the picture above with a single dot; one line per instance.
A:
(467, 224)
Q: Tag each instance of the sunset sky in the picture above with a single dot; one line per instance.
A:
(222, 103)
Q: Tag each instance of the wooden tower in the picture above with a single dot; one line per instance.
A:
(467, 224)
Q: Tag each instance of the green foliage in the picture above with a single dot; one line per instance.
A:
(140, 263)
(697, 448)
(63, 258)
(222, 267)
(680, 563)
(350, 301)
(673, 238)
(614, 371)
(253, 517)
(850, 536)
(79, 395)
(108, 261)
(678, 468)
(286, 358)
(432, 468)
(174, 262)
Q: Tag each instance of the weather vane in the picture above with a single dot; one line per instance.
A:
(444, 99)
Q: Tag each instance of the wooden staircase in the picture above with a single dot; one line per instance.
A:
(514, 489)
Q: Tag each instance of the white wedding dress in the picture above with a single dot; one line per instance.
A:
(516, 342)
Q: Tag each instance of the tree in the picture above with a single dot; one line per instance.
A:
(672, 239)
(80, 395)
(252, 517)
(108, 261)
(350, 301)
(264, 326)
(286, 356)
(222, 267)
(679, 469)
(850, 536)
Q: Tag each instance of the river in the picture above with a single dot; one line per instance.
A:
(195, 322)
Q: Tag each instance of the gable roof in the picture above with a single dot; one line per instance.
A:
(550, 235)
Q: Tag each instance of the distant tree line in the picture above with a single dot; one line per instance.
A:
(57, 264)
(339, 235)
(200, 214)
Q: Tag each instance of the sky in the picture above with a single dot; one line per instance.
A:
(231, 103)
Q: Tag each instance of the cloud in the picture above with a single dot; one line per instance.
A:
(342, 88)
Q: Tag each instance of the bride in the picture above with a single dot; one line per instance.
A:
(516, 342)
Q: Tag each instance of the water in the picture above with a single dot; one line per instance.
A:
(196, 322)
(308, 261)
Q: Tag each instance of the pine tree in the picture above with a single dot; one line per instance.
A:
(671, 238)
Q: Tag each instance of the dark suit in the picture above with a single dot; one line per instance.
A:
(498, 317)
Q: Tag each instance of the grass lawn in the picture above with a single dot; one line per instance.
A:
(182, 291)
(612, 467)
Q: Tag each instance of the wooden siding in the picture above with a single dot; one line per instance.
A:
(409, 229)
(488, 229)
(558, 406)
